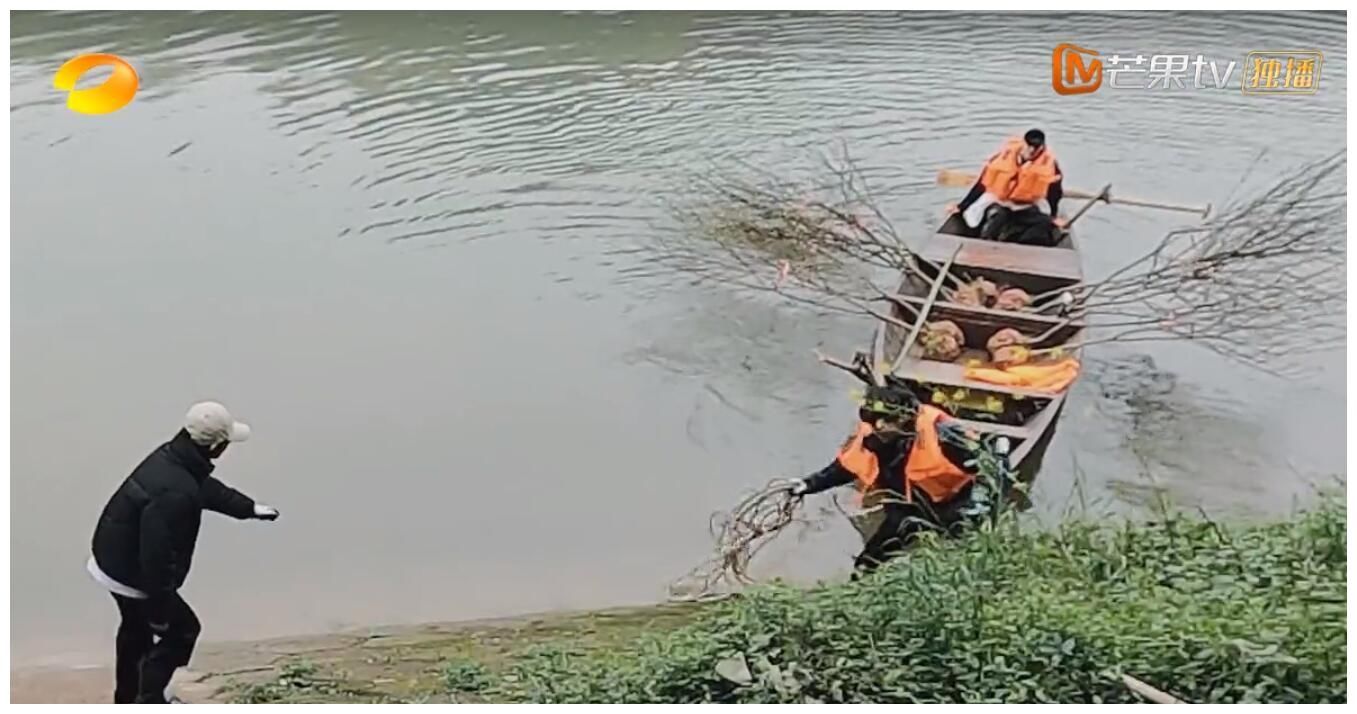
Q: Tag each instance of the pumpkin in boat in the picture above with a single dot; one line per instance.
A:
(941, 340)
(1012, 299)
(977, 293)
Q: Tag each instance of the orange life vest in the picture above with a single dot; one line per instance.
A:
(1015, 182)
(1053, 377)
(927, 467)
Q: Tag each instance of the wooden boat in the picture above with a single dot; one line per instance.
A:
(1027, 417)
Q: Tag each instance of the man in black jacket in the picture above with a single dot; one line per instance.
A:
(144, 542)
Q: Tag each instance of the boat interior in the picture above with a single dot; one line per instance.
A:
(1013, 411)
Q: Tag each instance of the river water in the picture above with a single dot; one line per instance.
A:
(402, 247)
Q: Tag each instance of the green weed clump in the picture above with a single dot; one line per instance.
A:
(296, 681)
(1204, 612)
(465, 675)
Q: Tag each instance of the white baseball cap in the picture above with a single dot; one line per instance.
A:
(208, 423)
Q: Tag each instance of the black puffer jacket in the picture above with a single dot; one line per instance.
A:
(148, 530)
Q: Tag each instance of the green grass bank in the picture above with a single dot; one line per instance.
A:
(1204, 611)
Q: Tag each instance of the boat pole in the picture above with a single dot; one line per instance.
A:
(1102, 195)
(927, 306)
(961, 179)
(1152, 694)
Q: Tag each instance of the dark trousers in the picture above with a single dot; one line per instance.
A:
(1028, 226)
(150, 646)
(904, 522)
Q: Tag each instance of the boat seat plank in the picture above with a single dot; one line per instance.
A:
(1026, 322)
(1061, 263)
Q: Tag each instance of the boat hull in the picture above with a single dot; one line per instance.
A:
(1027, 418)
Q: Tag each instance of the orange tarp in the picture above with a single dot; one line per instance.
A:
(1054, 377)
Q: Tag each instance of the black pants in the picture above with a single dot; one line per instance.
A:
(1028, 226)
(902, 525)
(147, 657)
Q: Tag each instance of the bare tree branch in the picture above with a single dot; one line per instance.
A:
(1262, 283)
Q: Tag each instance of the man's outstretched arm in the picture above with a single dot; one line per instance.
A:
(227, 501)
(831, 476)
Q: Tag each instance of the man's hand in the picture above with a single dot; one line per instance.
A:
(265, 513)
(799, 487)
(952, 208)
(1059, 222)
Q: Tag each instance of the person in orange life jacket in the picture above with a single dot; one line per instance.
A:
(1004, 202)
(143, 548)
(898, 454)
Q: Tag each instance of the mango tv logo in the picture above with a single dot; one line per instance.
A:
(109, 97)
(1070, 74)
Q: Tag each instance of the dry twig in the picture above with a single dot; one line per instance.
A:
(740, 534)
(1262, 283)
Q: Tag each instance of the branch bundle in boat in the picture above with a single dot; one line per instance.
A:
(1261, 283)
(816, 242)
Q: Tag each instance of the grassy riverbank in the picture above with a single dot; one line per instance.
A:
(1204, 611)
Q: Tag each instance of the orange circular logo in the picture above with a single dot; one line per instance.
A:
(112, 95)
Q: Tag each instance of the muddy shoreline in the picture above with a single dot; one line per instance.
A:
(392, 663)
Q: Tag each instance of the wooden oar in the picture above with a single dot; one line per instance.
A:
(1102, 195)
(961, 179)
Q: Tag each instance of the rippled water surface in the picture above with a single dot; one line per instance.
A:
(403, 247)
